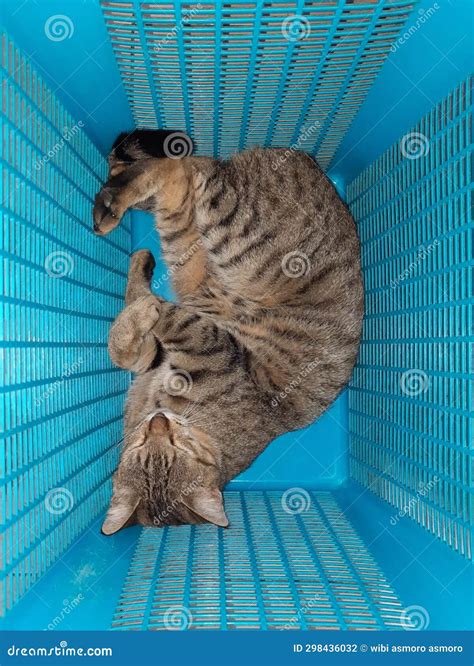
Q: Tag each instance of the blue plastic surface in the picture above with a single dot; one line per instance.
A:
(77, 64)
(432, 53)
(225, 578)
(61, 398)
(410, 398)
(273, 569)
(425, 572)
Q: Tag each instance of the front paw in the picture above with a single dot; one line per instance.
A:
(107, 213)
(142, 263)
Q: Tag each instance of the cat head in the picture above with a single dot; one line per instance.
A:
(168, 475)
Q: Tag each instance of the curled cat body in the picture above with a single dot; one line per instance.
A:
(264, 259)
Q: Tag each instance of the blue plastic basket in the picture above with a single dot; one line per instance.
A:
(361, 521)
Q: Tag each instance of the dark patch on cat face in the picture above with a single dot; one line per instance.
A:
(142, 143)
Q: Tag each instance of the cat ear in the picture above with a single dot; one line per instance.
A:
(122, 507)
(209, 504)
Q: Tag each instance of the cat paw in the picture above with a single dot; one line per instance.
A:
(146, 312)
(107, 213)
(143, 262)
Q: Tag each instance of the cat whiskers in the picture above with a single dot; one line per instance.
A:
(193, 416)
(190, 409)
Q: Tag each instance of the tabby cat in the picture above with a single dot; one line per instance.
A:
(264, 259)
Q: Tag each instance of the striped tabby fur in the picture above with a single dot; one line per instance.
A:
(264, 259)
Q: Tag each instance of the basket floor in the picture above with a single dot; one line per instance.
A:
(294, 563)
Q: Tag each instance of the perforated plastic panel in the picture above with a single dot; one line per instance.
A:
(411, 399)
(273, 569)
(61, 400)
(241, 73)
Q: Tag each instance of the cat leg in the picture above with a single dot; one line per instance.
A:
(132, 187)
(158, 185)
(167, 188)
(176, 222)
(132, 345)
(147, 323)
(140, 274)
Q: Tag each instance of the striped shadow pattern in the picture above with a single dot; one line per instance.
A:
(286, 562)
(235, 75)
(411, 396)
(61, 401)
